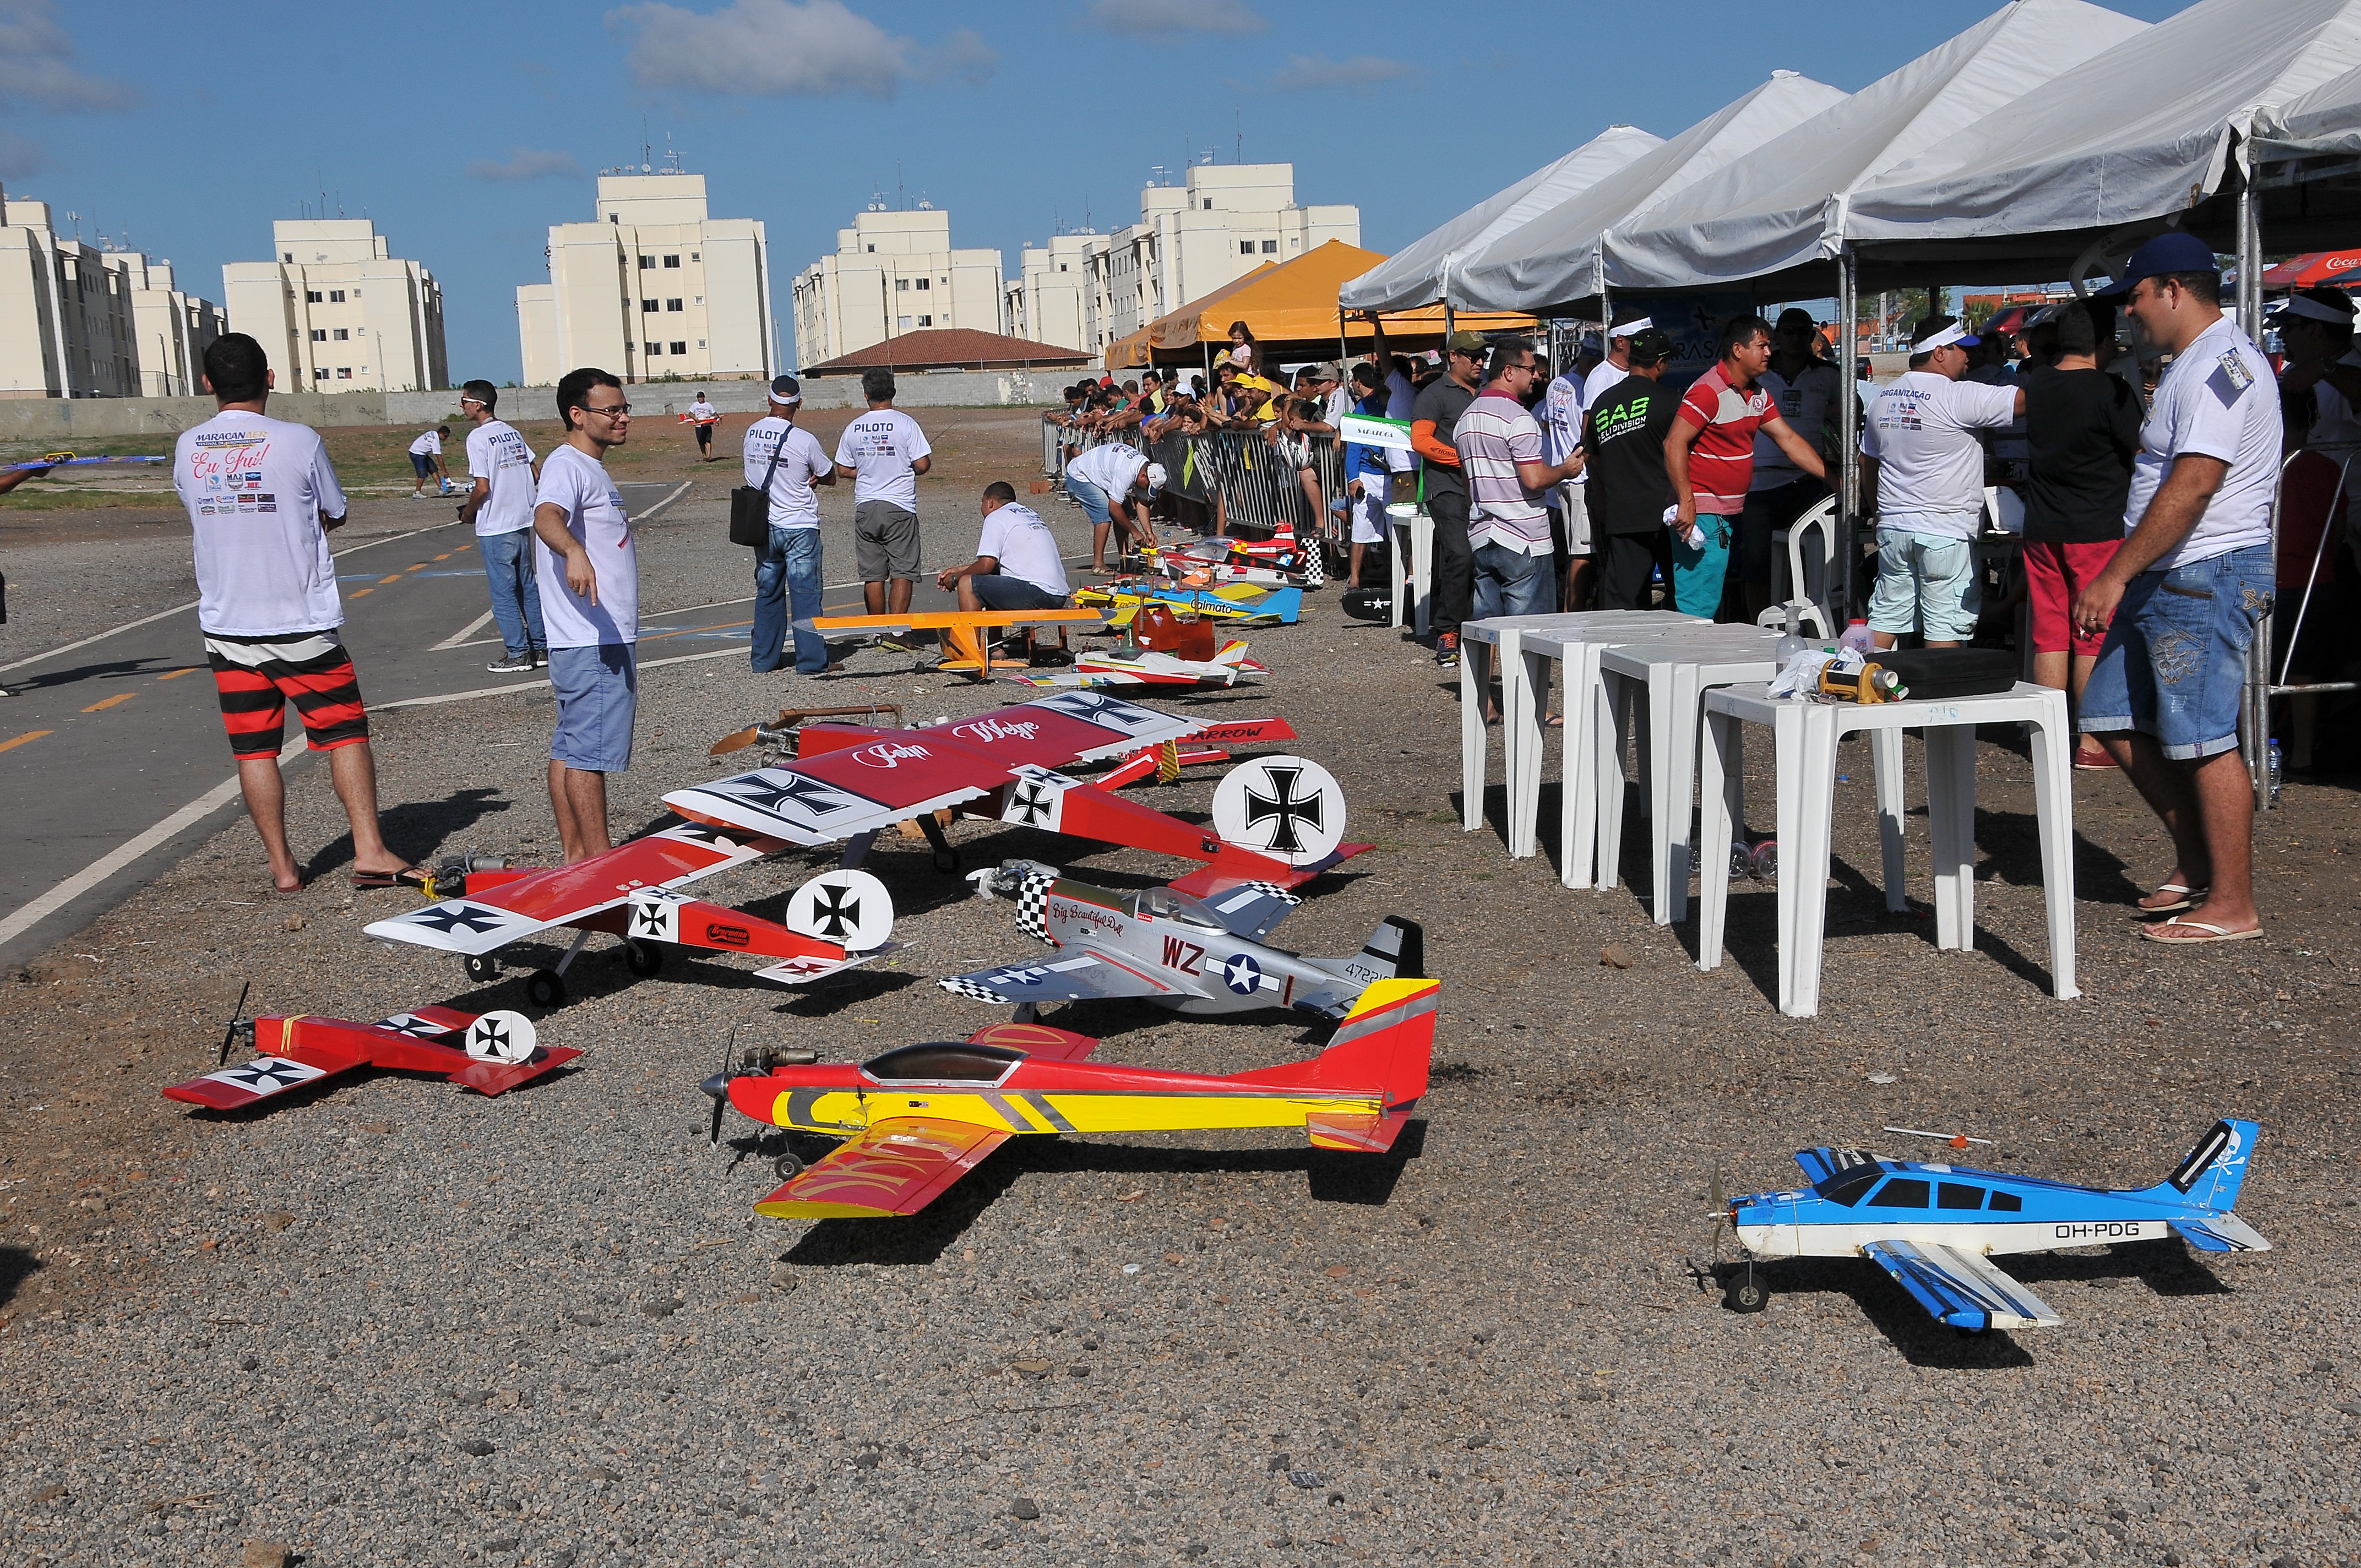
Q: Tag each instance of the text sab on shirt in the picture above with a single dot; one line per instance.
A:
(578, 483)
(256, 489)
(880, 447)
(1624, 432)
(497, 453)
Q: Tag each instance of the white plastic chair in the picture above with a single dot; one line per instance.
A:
(1806, 578)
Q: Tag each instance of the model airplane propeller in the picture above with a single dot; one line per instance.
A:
(1189, 954)
(1935, 1227)
(916, 1119)
(237, 1020)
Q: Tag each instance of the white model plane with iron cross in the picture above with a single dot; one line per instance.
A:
(1193, 955)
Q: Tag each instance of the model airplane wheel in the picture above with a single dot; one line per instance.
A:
(1746, 1294)
(482, 968)
(545, 988)
(645, 959)
(787, 1168)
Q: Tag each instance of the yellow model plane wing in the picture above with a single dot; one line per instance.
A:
(897, 1166)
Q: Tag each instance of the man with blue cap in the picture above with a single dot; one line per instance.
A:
(2181, 597)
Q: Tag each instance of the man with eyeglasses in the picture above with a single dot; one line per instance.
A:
(500, 507)
(1432, 417)
(1500, 459)
(589, 575)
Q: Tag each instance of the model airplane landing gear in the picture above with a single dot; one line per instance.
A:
(787, 1166)
(482, 968)
(545, 988)
(1746, 1293)
(645, 959)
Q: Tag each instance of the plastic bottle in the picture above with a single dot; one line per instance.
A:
(1793, 643)
(2276, 772)
(1857, 635)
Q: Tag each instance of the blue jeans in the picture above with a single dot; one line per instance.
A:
(516, 596)
(1510, 582)
(2174, 663)
(787, 574)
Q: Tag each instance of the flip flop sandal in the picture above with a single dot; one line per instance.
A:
(2190, 897)
(409, 876)
(2213, 933)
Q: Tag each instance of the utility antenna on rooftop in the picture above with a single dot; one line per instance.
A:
(1241, 118)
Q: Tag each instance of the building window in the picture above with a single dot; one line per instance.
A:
(311, 296)
(700, 298)
(319, 335)
(872, 249)
(647, 263)
(648, 307)
(700, 343)
(680, 347)
(693, 256)
(344, 372)
(1209, 204)
(1245, 248)
(1061, 266)
(1271, 247)
(925, 283)
(655, 350)
(901, 285)
(903, 322)
(343, 336)
(336, 296)
(672, 305)
(286, 256)
(926, 321)
(614, 217)
(672, 261)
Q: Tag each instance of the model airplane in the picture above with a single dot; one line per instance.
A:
(969, 639)
(917, 1119)
(68, 460)
(1935, 1227)
(1192, 955)
(1227, 667)
(836, 921)
(1211, 561)
(1209, 743)
(489, 1053)
(1241, 604)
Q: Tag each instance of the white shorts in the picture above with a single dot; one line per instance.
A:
(1571, 502)
(1369, 511)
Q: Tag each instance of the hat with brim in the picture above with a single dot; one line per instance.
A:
(2170, 252)
(1651, 345)
(1154, 475)
(2310, 308)
(1951, 336)
(1464, 340)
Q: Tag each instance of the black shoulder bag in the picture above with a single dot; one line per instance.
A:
(750, 509)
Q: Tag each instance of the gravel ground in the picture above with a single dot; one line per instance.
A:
(395, 1323)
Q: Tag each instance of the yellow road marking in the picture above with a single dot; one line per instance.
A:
(446, 556)
(110, 702)
(27, 735)
(395, 578)
(360, 593)
(176, 675)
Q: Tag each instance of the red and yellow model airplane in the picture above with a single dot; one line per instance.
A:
(917, 1119)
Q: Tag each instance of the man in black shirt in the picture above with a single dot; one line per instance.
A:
(2081, 427)
(1432, 417)
(1623, 431)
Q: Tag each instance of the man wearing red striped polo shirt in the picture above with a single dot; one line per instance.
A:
(1711, 457)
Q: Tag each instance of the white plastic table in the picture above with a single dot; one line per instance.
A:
(1677, 670)
(1411, 561)
(1806, 735)
(1520, 705)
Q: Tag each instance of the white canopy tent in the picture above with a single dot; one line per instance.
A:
(1554, 259)
(2324, 121)
(1421, 271)
(1782, 209)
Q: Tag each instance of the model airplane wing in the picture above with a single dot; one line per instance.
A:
(896, 1166)
(240, 1086)
(1251, 909)
(1084, 977)
(486, 921)
(1962, 1288)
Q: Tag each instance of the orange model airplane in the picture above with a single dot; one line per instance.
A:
(968, 640)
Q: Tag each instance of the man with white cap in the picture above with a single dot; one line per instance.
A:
(1613, 369)
(2182, 596)
(1114, 483)
(786, 461)
(1927, 469)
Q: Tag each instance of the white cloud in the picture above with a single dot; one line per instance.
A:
(1160, 16)
(1307, 73)
(35, 56)
(526, 163)
(769, 48)
(19, 156)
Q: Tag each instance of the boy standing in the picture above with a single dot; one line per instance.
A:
(500, 506)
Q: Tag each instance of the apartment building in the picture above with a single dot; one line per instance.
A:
(653, 289)
(1219, 224)
(78, 321)
(893, 271)
(337, 311)
(1048, 299)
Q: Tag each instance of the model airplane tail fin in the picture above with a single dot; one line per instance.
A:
(2214, 1171)
(1386, 1042)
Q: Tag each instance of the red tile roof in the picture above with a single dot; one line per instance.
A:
(950, 348)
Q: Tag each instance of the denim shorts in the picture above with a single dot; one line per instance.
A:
(598, 697)
(998, 590)
(2174, 664)
(1926, 583)
(1091, 498)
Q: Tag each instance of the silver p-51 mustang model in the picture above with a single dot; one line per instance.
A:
(1193, 955)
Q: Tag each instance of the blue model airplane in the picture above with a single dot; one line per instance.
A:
(1935, 1228)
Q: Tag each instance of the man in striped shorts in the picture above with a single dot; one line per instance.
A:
(261, 495)
(1499, 451)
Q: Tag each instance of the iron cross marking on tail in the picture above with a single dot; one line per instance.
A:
(838, 911)
(1031, 803)
(1284, 805)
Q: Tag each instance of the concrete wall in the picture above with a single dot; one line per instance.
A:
(60, 419)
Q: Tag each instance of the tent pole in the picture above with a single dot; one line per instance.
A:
(1344, 348)
(1598, 287)
(2253, 734)
(1848, 427)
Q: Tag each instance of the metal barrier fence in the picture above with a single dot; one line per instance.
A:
(1251, 478)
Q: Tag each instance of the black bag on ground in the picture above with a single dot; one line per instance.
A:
(1931, 673)
(750, 508)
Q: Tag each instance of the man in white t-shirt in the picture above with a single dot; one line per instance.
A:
(1559, 415)
(704, 416)
(1016, 564)
(2182, 597)
(503, 470)
(1113, 484)
(885, 451)
(1926, 468)
(788, 460)
(262, 496)
(426, 461)
(590, 572)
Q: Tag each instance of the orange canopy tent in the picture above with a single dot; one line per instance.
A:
(1291, 308)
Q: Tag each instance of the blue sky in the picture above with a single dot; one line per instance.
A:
(465, 131)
